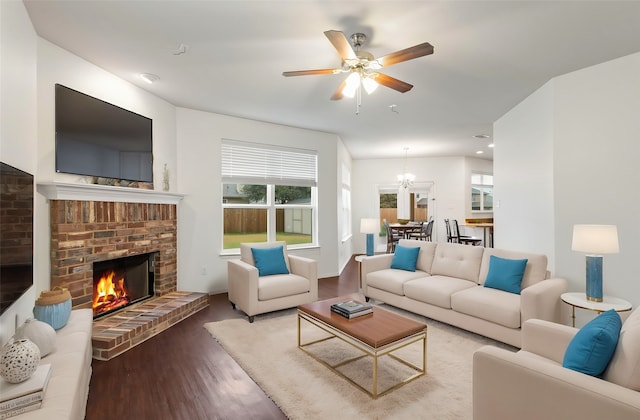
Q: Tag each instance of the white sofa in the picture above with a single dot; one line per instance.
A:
(532, 384)
(448, 286)
(68, 389)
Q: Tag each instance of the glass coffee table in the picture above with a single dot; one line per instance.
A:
(375, 335)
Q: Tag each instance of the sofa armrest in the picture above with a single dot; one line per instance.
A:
(242, 281)
(307, 268)
(509, 385)
(542, 300)
(375, 263)
(547, 339)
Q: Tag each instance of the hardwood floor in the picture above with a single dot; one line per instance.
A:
(182, 373)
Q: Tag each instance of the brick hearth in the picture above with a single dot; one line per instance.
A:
(84, 231)
(125, 329)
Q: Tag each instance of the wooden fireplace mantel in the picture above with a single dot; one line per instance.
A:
(94, 192)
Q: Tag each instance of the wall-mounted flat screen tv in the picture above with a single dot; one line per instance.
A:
(16, 234)
(96, 138)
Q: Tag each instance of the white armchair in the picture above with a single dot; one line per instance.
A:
(256, 295)
(532, 384)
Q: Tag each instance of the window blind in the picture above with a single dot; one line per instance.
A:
(252, 163)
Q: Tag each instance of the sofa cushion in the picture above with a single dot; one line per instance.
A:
(270, 261)
(246, 254)
(427, 252)
(281, 285)
(535, 271)
(593, 346)
(392, 280)
(492, 305)
(405, 258)
(457, 260)
(435, 290)
(505, 274)
(624, 368)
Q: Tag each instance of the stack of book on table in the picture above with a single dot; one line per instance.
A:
(351, 309)
(24, 396)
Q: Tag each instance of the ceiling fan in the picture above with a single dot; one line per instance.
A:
(363, 67)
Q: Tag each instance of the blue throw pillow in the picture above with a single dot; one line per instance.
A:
(591, 349)
(505, 274)
(405, 258)
(270, 261)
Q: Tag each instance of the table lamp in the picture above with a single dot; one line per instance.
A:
(370, 227)
(595, 240)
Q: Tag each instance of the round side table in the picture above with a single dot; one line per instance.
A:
(579, 300)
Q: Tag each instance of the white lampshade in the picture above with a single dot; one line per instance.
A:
(595, 239)
(369, 226)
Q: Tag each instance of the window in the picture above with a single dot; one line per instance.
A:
(268, 193)
(346, 202)
(481, 192)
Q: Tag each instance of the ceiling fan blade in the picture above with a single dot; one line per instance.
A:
(337, 95)
(406, 54)
(393, 83)
(341, 44)
(310, 72)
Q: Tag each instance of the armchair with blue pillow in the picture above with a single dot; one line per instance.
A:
(266, 278)
(562, 372)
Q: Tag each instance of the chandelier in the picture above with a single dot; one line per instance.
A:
(406, 179)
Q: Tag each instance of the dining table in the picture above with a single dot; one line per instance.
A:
(407, 228)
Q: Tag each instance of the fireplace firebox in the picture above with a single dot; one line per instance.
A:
(121, 282)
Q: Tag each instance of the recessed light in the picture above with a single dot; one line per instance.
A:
(481, 136)
(479, 152)
(490, 145)
(149, 78)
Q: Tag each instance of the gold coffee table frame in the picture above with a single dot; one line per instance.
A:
(374, 352)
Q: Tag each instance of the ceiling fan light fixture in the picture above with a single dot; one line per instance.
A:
(351, 85)
(370, 85)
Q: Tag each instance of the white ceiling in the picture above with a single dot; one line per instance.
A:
(489, 56)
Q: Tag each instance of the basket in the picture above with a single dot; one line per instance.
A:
(53, 307)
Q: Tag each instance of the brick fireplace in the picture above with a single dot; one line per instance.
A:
(83, 232)
(97, 223)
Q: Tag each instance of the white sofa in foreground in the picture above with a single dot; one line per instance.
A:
(68, 389)
(532, 384)
(448, 286)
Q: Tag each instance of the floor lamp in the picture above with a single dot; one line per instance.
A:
(370, 227)
(595, 240)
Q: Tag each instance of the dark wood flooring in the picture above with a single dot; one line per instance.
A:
(183, 373)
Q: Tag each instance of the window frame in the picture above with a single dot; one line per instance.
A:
(482, 188)
(286, 178)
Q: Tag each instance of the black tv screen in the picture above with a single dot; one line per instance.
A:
(16, 234)
(96, 138)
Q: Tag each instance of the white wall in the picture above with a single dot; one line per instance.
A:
(201, 267)
(582, 128)
(452, 186)
(523, 176)
(345, 249)
(18, 121)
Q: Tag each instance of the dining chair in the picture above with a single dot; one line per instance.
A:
(425, 232)
(463, 239)
(392, 237)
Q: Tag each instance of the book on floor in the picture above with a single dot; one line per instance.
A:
(26, 393)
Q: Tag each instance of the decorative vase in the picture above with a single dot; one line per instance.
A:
(54, 307)
(20, 358)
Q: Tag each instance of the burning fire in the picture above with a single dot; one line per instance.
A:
(109, 294)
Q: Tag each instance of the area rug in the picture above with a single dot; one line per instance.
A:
(303, 388)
